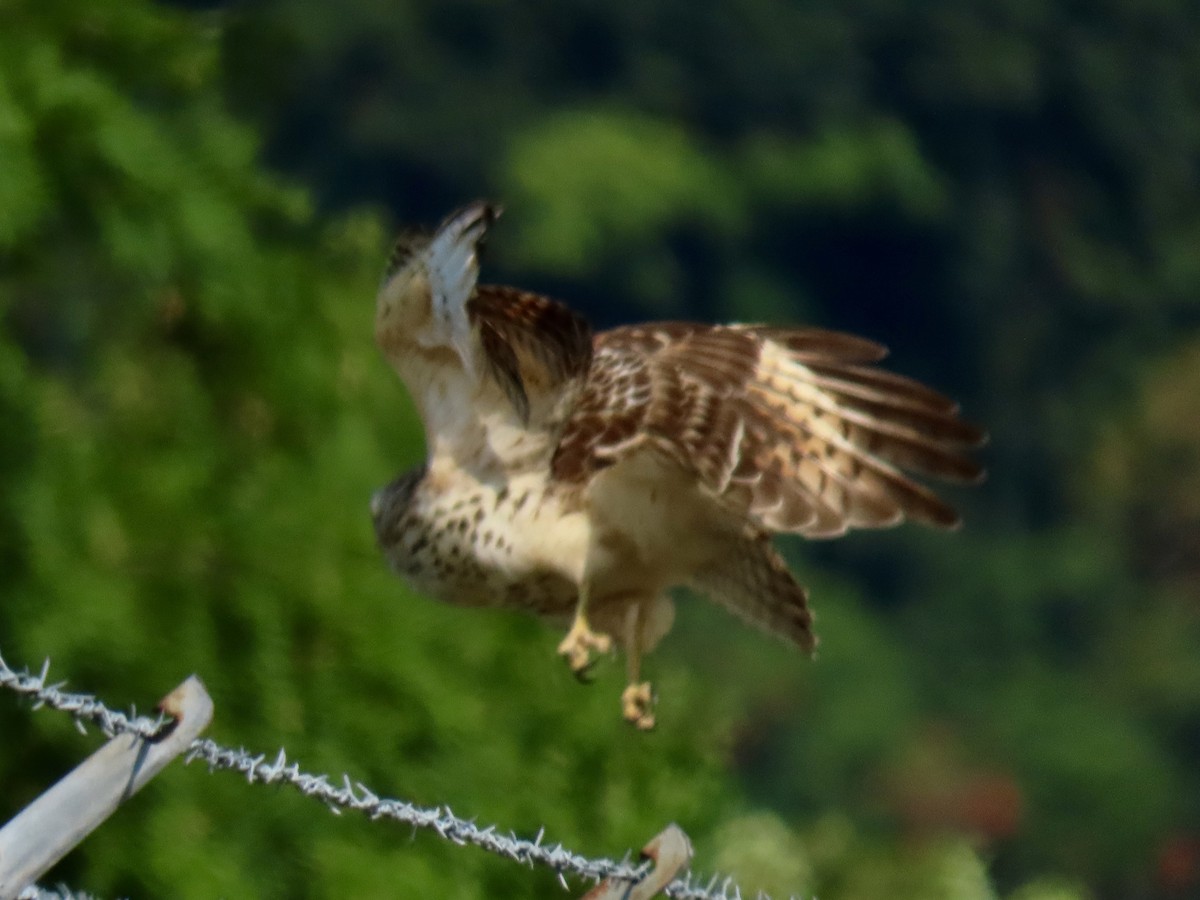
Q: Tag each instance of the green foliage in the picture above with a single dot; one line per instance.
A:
(587, 183)
(197, 421)
(831, 858)
(194, 420)
(845, 171)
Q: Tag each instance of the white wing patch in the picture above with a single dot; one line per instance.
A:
(453, 268)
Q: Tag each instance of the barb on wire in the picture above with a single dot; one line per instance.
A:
(345, 794)
(58, 892)
(83, 708)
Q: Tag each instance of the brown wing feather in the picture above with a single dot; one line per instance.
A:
(622, 388)
(791, 429)
(531, 343)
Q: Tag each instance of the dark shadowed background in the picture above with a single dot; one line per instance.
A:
(195, 203)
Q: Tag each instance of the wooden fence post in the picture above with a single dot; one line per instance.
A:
(43, 833)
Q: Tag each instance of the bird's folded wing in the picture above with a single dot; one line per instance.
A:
(535, 347)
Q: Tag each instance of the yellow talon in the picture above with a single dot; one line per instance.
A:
(637, 705)
(577, 647)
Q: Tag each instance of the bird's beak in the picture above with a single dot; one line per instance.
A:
(470, 224)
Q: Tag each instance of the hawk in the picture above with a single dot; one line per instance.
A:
(582, 476)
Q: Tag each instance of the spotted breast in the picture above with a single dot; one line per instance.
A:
(471, 545)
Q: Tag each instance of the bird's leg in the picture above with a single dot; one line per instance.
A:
(637, 700)
(576, 648)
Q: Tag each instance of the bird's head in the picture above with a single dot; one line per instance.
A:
(429, 279)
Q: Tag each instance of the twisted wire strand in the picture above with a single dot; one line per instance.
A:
(343, 793)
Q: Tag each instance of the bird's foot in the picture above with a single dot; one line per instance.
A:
(637, 705)
(576, 648)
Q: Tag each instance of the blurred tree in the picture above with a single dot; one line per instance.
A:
(1003, 191)
(194, 421)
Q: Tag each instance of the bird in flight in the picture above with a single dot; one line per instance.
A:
(582, 476)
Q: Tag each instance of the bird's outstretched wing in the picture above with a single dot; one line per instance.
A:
(792, 430)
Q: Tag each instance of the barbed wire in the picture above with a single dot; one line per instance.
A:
(351, 795)
(58, 892)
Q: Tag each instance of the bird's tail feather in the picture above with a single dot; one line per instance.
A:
(753, 582)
